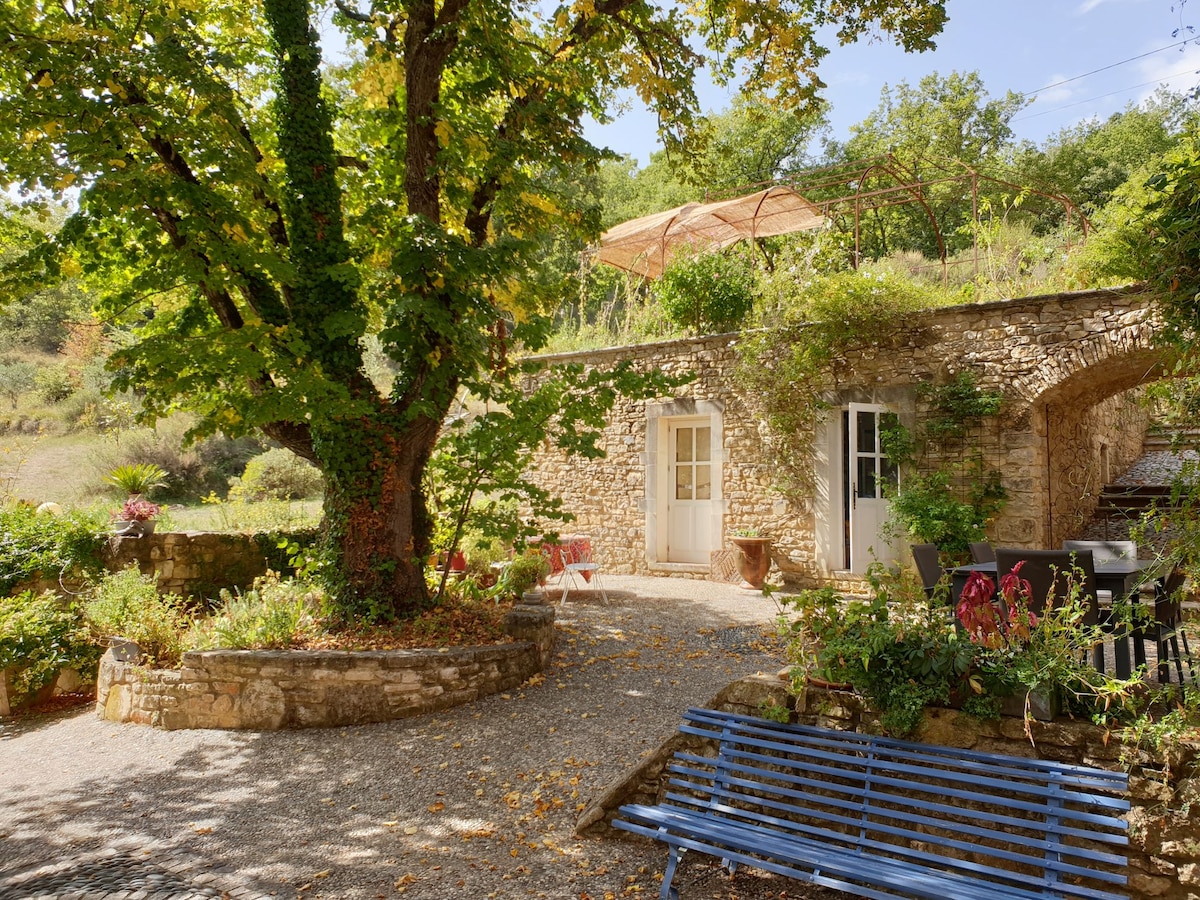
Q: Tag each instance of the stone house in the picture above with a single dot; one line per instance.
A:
(683, 473)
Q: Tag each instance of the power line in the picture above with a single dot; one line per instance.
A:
(1123, 90)
(1106, 68)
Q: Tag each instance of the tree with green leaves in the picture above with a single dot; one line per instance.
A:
(1088, 161)
(939, 128)
(254, 222)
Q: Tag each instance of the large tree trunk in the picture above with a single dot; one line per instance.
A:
(377, 527)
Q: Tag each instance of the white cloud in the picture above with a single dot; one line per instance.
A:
(1088, 6)
(1058, 95)
(1177, 69)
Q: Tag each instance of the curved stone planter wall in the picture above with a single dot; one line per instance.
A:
(273, 689)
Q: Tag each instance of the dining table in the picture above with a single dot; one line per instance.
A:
(1121, 577)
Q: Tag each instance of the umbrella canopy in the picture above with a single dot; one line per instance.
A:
(646, 245)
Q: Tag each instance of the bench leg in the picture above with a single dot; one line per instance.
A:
(730, 866)
(668, 892)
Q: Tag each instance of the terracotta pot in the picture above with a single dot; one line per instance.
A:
(753, 560)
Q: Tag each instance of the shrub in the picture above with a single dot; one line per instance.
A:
(127, 604)
(712, 292)
(524, 573)
(201, 469)
(276, 516)
(278, 474)
(40, 634)
(32, 544)
(53, 384)
(272, 615)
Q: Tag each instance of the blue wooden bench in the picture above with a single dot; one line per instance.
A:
(883, 818)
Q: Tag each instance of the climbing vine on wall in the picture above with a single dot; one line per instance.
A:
(948, 494)
(788, 365)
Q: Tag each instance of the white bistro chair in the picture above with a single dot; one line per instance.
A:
(579, 564)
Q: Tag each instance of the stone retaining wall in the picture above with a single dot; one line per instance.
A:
(191, 563)
(1164, 821)
(273, 689)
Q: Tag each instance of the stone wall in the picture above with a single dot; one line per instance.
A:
(1164, 821)
(273, 689)
(191, 563)
(1069, 366)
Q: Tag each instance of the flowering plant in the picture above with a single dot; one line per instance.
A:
(994, 627)
(137, 510)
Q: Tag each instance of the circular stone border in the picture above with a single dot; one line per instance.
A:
(274, 689)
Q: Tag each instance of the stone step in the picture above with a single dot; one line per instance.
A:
(1163, 439)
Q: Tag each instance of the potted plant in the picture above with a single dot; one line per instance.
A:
(893, 648)
(1038, 662)
(135, 518)
(136, 479)
(753, 557)
(523, 574)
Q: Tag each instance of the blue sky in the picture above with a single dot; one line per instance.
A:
(1019, 45)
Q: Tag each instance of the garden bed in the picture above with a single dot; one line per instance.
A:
(274, 689)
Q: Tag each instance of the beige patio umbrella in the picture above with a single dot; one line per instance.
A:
(645, 246)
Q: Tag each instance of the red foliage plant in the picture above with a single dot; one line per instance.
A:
(137, 511)
(989, 623)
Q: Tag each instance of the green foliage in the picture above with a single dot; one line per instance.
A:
(47, 545)
(931, 507)
(17, 377)
(945, 499)
(524, 573)
(53, 384)
(771, 709)
(709, 292)
(247, 256)
(272, 615)
(263, 516)
(952, 408)
(137, 478)
(809, 324)
(479, 477)
(895, 648)
(204, 467)
(127, 604)
(39, 635)
(905, 652)
(929, 130)
(278, 474)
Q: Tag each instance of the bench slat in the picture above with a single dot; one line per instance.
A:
(738, 813)
(1029, 772)
(1040, 845)
(859, 791)
(953, 755)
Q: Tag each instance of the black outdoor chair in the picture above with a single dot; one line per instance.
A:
(928, 567)
(1166, 630)
(982, 552)
(1050, 573)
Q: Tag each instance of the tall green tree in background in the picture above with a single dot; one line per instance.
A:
(258, 222)
(1088, 161)
(941, 120)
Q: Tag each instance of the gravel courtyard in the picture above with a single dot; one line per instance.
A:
(477, 802)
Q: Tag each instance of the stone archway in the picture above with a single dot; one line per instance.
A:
(1090, 419)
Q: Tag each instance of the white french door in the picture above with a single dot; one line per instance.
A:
(870, 474)
(691, 471)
